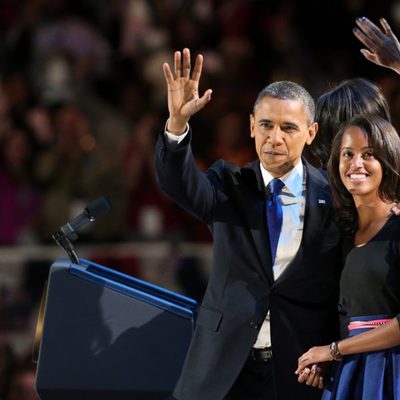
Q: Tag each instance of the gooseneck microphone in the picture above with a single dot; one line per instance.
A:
(93, 210)
(67, 232)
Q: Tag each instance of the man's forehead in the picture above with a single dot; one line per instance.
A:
(272, 102)
(270, 106)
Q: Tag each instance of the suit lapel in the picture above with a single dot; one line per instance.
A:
(253, 202)
(317, 206)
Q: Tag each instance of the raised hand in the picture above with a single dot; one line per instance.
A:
(382, 46)
(183, 90)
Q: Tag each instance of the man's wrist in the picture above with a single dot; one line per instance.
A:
(174, 139)
(176, 126)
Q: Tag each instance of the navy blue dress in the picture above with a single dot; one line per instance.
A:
(370, 290)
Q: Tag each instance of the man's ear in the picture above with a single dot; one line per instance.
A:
(252, 123)
(312, 132)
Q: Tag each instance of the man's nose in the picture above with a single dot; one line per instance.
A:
(275, 135)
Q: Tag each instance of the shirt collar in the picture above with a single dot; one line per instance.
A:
(293, 179)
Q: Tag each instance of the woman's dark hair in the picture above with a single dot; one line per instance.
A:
(333, 108)
(385, 142)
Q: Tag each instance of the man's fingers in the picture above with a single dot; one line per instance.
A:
(320, 382)
(168, 74)
(310, 378)
(303, 375)
(202, 101)
(177, 64)
(182, 65)
(317, 376)
(198, 66)
(186, 63)
(207, 95)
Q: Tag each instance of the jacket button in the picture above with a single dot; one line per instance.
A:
(254, 325)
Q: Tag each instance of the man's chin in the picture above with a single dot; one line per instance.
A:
(275, 169)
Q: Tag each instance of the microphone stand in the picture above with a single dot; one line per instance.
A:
(64, 241)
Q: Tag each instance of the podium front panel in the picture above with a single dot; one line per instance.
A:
(105, 339)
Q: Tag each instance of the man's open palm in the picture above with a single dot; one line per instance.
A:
(183, 89)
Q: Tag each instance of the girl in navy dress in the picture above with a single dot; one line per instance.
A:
(364, 172)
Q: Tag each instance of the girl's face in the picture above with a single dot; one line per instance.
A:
(360, 171)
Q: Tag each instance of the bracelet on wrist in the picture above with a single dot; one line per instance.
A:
(335, 353)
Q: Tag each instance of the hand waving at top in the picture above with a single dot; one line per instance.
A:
(183, 90)
(382, 46)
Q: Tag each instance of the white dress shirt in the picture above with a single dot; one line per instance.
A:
(172, 138)
(293, 205)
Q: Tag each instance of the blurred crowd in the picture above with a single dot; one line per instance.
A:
(83, 98)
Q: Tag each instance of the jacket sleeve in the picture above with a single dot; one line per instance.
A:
(177, 175)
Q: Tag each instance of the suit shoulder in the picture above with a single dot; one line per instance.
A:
(222, 167)
(318, 175)
(232, 174)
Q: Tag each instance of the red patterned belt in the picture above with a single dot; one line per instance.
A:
(367, 324)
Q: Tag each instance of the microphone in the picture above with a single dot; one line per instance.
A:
(93, 210)
(67, 232)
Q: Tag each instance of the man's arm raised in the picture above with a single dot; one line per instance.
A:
(183, 91)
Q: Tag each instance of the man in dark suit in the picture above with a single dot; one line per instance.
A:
(273, 288)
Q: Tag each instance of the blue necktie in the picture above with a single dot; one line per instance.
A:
(274, 214)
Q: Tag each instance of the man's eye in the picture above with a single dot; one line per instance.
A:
(288, 128)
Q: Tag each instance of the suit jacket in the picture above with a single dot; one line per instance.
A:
(241, 288)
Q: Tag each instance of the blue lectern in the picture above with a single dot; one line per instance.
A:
(109, 336)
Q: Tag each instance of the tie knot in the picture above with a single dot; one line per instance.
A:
(275, 186)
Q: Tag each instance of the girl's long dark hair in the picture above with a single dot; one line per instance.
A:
(385, 142)
(335, 107)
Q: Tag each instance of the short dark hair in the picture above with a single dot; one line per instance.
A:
(287, 90)
(335, 107)
(385, 141)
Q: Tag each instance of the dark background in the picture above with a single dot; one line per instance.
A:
(82, 99)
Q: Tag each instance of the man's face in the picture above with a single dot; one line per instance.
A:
(280, 129)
